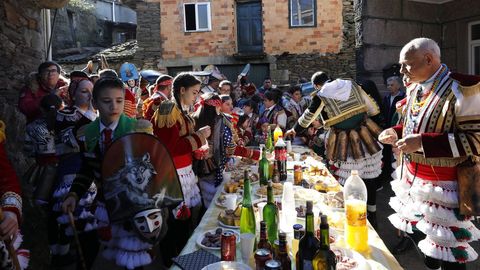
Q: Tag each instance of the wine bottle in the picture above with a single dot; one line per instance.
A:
(308, 244)
(324, 258)
(270, 215)
(263, 242)
(264, 168)
(269, 141)
(247, 216)
(283, 252)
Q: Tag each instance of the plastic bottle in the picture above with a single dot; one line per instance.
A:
(355, 196)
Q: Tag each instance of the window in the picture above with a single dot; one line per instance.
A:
(197, 17)
(474, 48)
(303, 13)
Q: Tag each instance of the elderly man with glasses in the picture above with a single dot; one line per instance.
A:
(46, 81)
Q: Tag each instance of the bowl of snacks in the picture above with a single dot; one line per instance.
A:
(211, 239)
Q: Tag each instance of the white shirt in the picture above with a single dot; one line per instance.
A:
(426, 85)
(112, 126)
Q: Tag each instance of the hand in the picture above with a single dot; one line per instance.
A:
(388, 136)
(9, 225)
(290, 133)
(410, 144)
(205, 131)
(69, 204)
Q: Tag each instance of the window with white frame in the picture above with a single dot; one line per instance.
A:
(197, 17)
(303, 13)
(474, 47)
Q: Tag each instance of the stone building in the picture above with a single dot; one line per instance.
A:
(384, 26)
(286, 39)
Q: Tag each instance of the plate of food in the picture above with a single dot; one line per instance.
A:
(232, 187)
(230, 218)
(334, 200)
(349, 259)
(304, 194)
(220, 201)
(211, 239)
(224, 265)
(277, 189)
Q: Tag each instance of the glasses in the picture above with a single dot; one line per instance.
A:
(50, 71)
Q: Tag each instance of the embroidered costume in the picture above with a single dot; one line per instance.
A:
(445, 111)
(344, 108)
(68, 121)
(10, 200)
(151, 104)
(94, 138)
(275, 115)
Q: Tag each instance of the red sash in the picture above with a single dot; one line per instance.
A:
(432, 173)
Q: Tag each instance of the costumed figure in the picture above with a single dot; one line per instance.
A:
(274, 111)
(162, 91)
(10, 212)
(140, 185)
(345, 109)
(223, 144)
(94, 139)
(40, 144)
(176, 130)
(68, 121)
(439, 131)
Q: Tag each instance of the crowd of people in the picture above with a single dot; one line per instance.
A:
(72, 119)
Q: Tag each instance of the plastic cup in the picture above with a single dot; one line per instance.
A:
(296, 156)
(231, 201)
(289, 146)
(227, 176)
(260, 206)
(247, 241)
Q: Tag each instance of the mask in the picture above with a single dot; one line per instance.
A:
(148, 224)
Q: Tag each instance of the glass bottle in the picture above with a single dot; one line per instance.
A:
(264, 168)
(247, 216)
(281, 159)
(269, 142)
(308, 244)
(283, 252)
(324, 258)
(263, 242)
(355, 197)
(270, 215)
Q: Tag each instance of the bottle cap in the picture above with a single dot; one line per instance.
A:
(309, 206)
(354, 172)
(323, 219)
(263, 224)
(282, 236)
(297, 227)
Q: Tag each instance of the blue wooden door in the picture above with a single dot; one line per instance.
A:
(249, 27)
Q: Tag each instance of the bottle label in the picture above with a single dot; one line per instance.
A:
(307, 265)
(281, 153)
(356, 216)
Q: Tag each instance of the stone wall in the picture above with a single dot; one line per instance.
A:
(148, 33)
(455, 17)
(83, 28)
(338, 64)
(385, 26)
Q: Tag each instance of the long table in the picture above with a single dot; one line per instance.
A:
(379, 254)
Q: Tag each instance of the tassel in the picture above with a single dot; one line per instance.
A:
(183, 213)
(461, 234)
(460, 254)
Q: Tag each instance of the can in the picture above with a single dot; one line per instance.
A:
(273, 265)
(297, 175)
(228, 246)
(261, 257)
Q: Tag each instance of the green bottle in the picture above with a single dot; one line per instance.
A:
(324, 258)
(308, 244)
(269, 143)
(270, 215)
(247, 217)
(264, 168)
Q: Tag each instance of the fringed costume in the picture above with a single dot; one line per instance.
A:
(445, 111)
